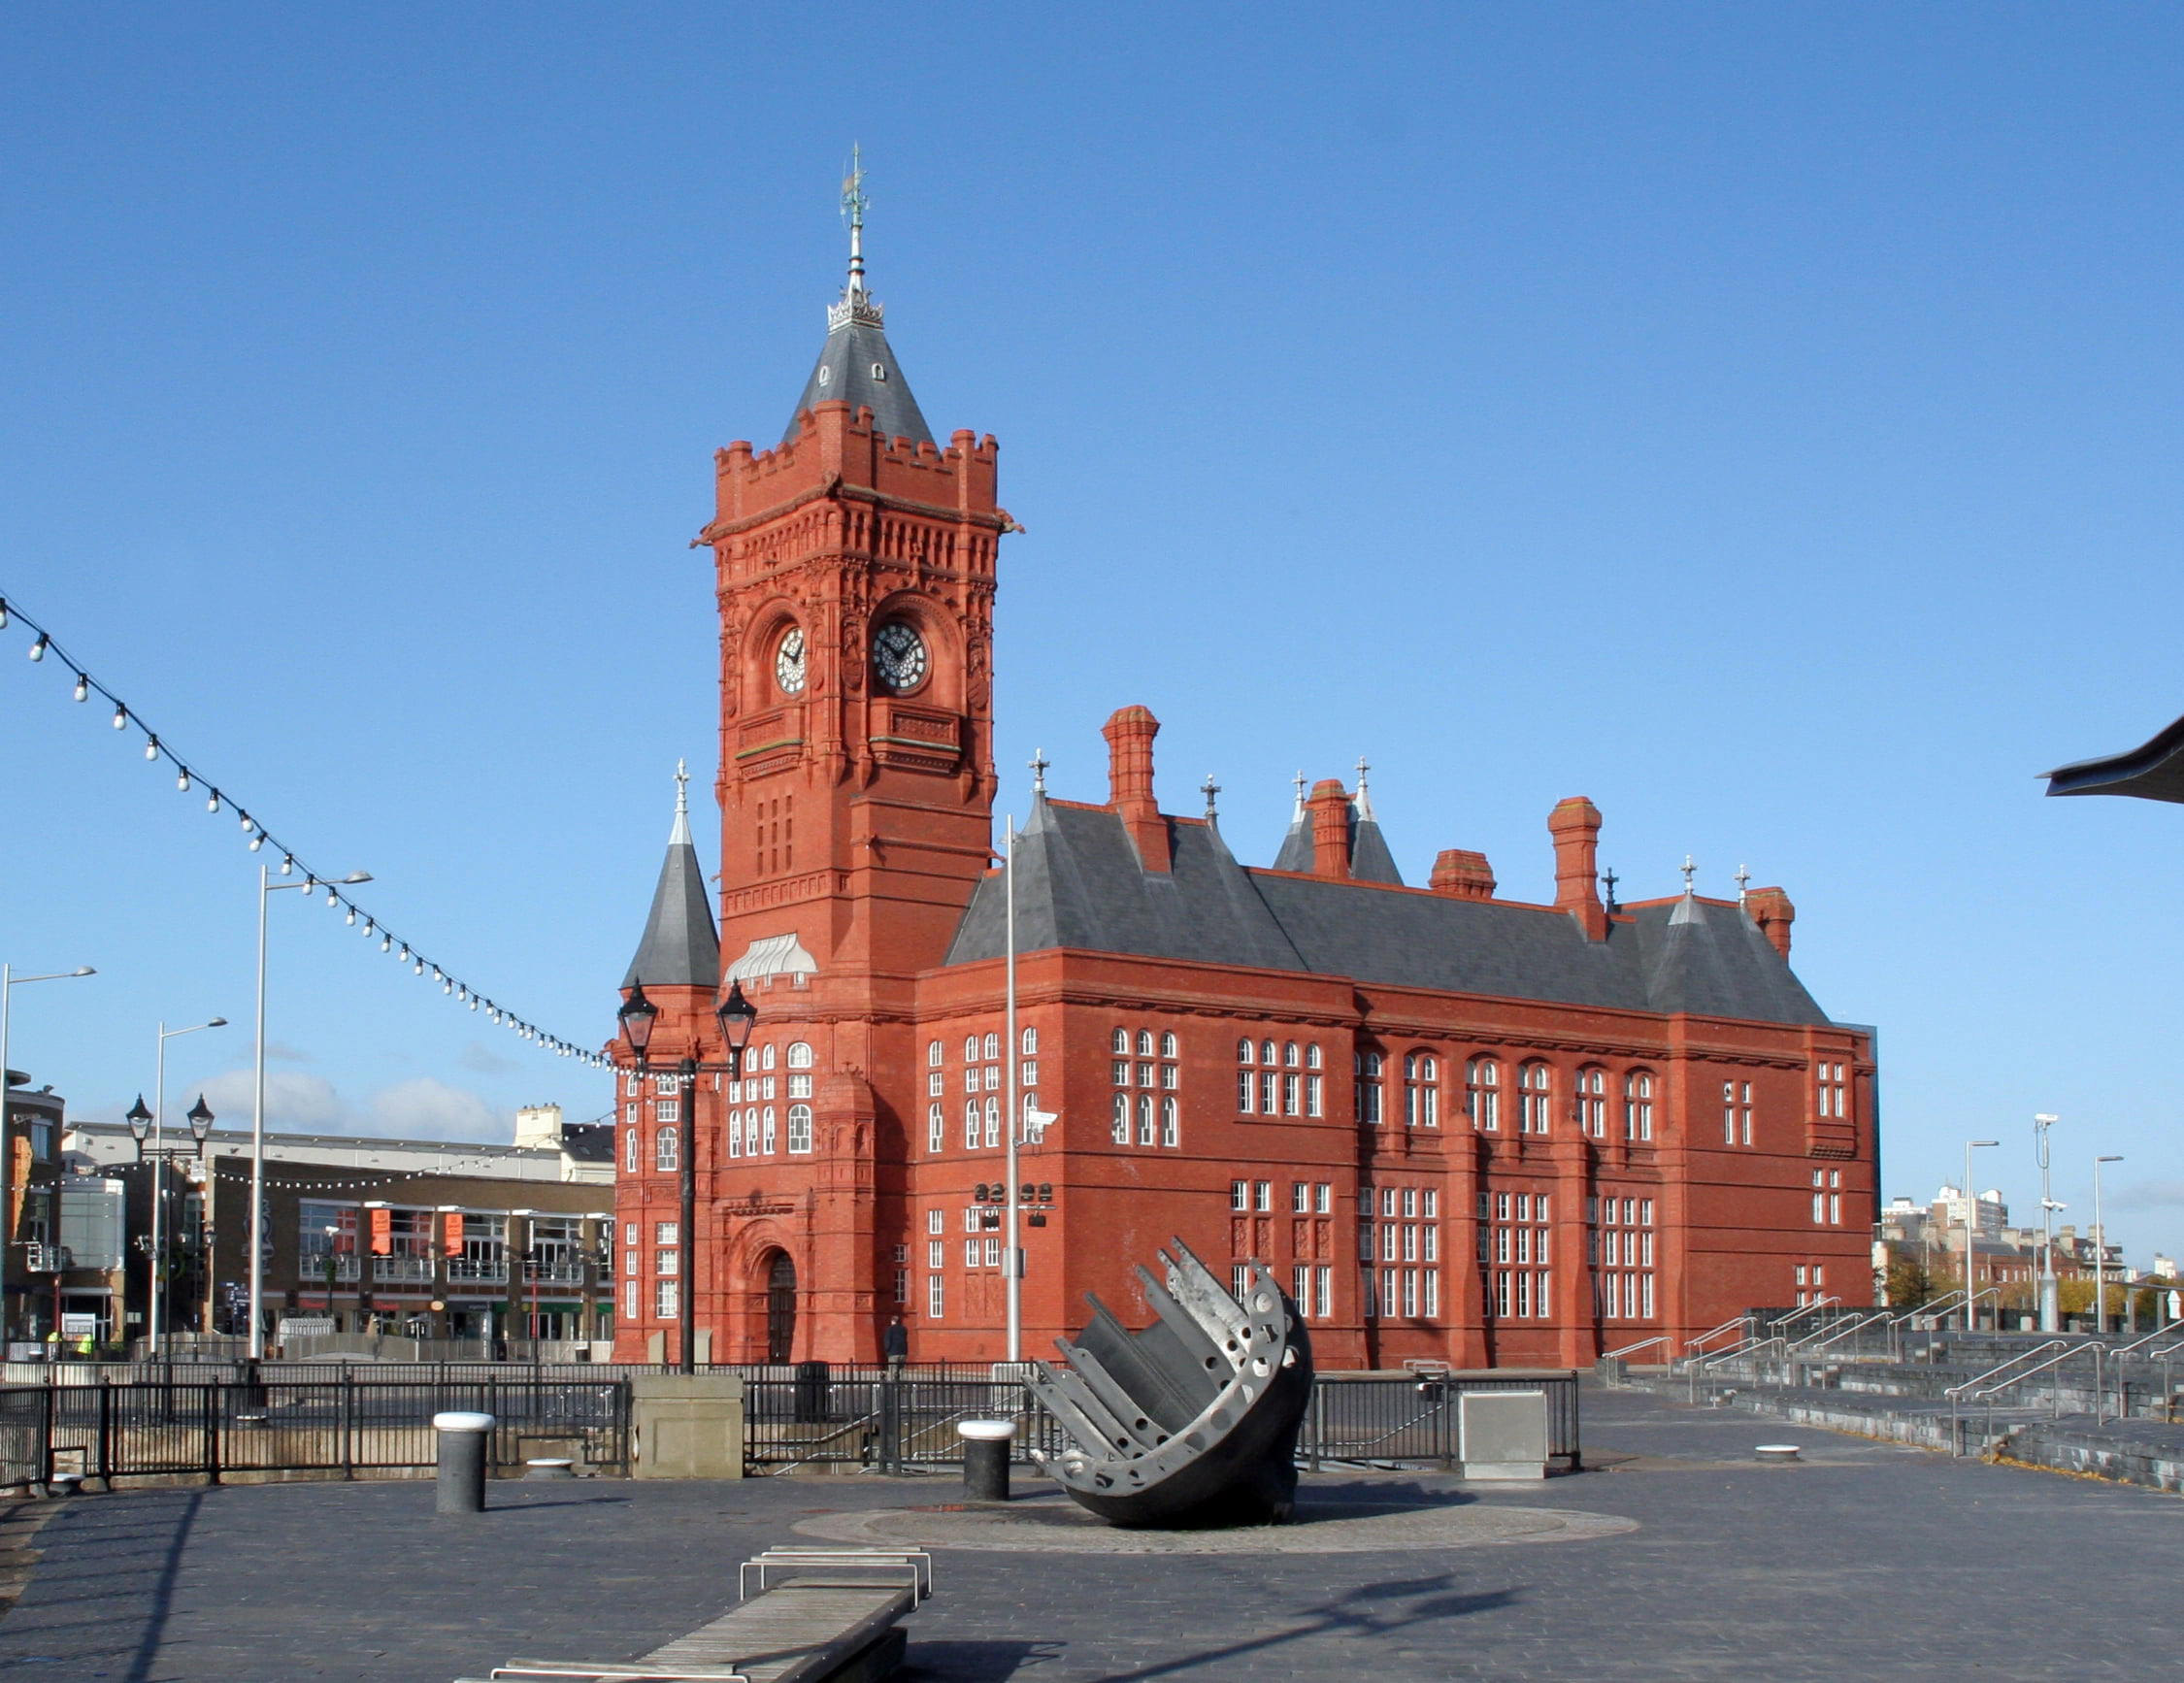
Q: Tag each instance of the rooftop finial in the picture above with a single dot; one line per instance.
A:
(1743, 878)
(1364, 800)
(682, 830)
(1299, 794)
(1609, 879)
(854, 202)
(1210, 788)
(1039, 765)
(1689, 870)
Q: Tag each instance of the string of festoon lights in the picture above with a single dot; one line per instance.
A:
(188, 780)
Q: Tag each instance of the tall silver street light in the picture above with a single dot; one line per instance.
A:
(267, 888)
(1970, 1219)
(9, 982)
(154, 1319)
(2099, 1253)
(2048, 1206)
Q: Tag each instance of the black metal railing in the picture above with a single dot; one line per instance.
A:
(351, 1423)
(342, 1425)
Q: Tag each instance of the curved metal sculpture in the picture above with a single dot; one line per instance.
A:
(1191, 1422)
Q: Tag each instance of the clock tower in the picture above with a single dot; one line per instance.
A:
(854, 568)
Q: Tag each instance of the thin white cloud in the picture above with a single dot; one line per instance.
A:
(426, 1109)
(296, 1103)
(2148, 1194)
(480, 1059)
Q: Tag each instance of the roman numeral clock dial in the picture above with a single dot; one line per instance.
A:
(788, 662)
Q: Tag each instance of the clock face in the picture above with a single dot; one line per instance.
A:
(788, 662)
(898, 656)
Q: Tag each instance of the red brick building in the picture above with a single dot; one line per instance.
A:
(1461, 1127)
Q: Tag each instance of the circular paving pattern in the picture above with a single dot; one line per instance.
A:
(1326, 1524)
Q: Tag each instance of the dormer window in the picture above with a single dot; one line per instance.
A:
(880, 370)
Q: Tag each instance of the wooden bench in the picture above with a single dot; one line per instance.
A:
(819, 1616)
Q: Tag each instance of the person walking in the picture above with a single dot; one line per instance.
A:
(894, 1343)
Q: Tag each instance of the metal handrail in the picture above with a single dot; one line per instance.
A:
(1694, 1344)
(1643, 1343)
(1841, 1332)
(1969, 1387)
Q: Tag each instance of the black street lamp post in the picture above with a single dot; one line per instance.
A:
(735, 1016)
(139, 1119)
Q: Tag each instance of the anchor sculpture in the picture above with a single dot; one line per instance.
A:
(1192, 1421)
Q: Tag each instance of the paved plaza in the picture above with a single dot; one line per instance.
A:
(1678, 1556)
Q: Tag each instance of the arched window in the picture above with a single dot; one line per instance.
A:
(1169, 1128)
(1120, 1042)
(1368, 1065)
(1122, 1118)
(971, 1125)
(1535, 1090)
(1592, 1102)
(1312, 1056)
(970, 1048)
(935, 1131)
(933, 1055)
(993, 1123)
(993, 1047)
(1482, 1094)
(1244, 1052)
(799, 1128)
(1638, 1104)
(1292, 1055)
(799, 1055)
(667, 1149)
(1421, 1090)
(1145, 1044)
(766, 1122)
(766, 1058)
(1168, 1045)
(1030, 1038)
(1267, 1053)
(629, 1149)
(735, 1133)
(1145, 1135)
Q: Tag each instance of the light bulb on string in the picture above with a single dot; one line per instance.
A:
(212, 801)
(256, 841)
(473, 1003)
(38, 649)
(151, 747)
(82, 687)
(3, 613)
(333, 899)
(182, 779)
(249, 824)
(387, 942)
(351, 917)
(419, 971)
(447, 987)
(404, 952)
(370, 924)
(287, 862)
(120, 719)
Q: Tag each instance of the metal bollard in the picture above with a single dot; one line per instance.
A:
(985, 1458)
(463, 1440)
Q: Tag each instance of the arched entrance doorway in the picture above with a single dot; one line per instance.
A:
(780, 1307)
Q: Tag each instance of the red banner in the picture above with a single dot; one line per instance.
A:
(382, 1232)
(451, 1235)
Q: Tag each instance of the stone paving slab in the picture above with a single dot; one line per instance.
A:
(1870, 1560)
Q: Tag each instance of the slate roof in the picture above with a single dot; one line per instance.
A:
(680, 947)
(857, 366)
(1080, 886)
(1370, 861)
(588, 1141)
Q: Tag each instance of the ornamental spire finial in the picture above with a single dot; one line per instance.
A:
(1300, 782)
(1689, 870)
(1210, 788)
(1363, 800)
(681, 833)
(1744, 883)
(1039, 764)
(853, 203)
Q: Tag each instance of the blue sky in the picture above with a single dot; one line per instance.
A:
(1762, 420)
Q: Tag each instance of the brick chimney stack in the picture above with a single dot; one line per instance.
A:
(1330, 807)
(1462, 874)
(1574, 825)
(1772, 910)
(1130, 733)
